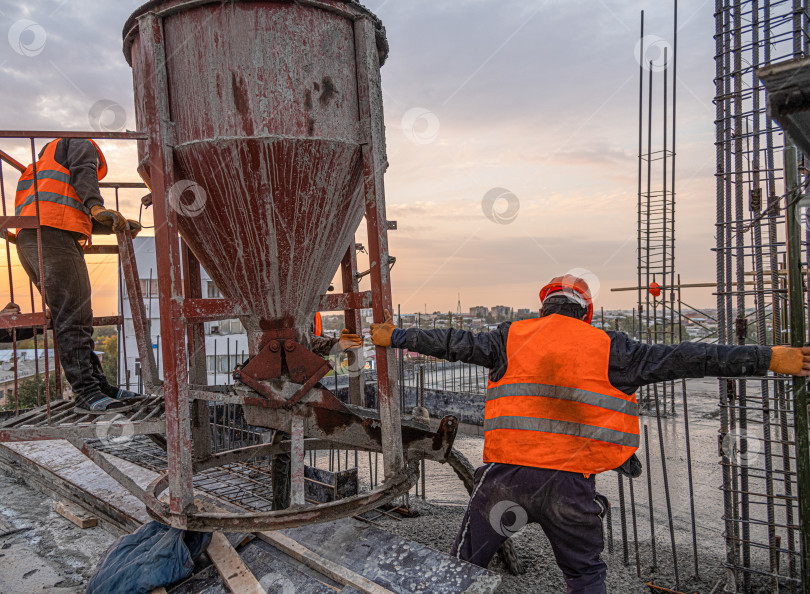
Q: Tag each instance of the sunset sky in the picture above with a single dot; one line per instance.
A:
(539, 98)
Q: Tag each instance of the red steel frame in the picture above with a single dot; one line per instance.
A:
(182, 311)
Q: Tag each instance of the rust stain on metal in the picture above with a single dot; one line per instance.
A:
(329, 91)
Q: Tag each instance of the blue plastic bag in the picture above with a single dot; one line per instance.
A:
(153, 556)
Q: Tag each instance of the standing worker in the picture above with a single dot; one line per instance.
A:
(71, 209)
(561, 408)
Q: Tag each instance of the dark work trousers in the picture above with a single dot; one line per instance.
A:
(67, 295)
(565, 504)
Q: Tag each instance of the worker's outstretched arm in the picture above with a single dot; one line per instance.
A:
(480, 348)
(634, 364)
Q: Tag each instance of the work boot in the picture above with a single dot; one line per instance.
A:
(119, 393)
(105, 386)
(97, 404)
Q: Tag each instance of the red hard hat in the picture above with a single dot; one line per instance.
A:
(655, 289)
(573, 286)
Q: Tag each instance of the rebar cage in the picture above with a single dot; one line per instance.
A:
(760, 300)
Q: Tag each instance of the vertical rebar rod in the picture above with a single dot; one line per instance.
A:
(640, 160)
(739, 238)
(422, 404)
(666, 488)
(122, 332)
(672, 184)
(623, 520)
(649, 190)
(755, 207)
(635, 524)
(36, 341)
(723, 162)
(650, 498)
(11, 298)
(664, 206)
(688, 448)
(797, 339)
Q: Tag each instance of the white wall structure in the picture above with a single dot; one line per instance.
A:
(225, 341)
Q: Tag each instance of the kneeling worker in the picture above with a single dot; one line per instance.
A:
(70, 209)
(561, 408)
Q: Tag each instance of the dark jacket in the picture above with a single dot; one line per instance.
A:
(322, 345)
(632, 364)
(80, 157)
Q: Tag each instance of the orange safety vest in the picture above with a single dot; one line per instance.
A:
(555, 407)
(318, 324)
(59, 205)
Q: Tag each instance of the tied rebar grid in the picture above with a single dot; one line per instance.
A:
(757, 446)
(657, 94)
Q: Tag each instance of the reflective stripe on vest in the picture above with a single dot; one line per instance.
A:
(59, 206)
(594, 399)
(555, 407)
(27, 184)
(563, 428)
(51, 197)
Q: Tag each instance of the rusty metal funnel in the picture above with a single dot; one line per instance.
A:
(272, 234)
(264, 103)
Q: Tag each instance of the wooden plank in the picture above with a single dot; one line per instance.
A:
(75, 514)
(332, 570)
(231, 567)
(393, 562)
(63, 471)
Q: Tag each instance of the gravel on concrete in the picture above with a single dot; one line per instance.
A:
(436, 527)
(48, 553)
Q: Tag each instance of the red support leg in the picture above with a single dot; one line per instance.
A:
(374, 164)
(156, 116)
(348, 269)
(198, 373)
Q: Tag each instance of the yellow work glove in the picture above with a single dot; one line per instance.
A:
(134, 228)
(790, 360)
(381, 333)
(110, 218)
(349, 341)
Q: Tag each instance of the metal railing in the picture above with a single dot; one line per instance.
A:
(10, 170)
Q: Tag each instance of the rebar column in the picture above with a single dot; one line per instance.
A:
(797, 339)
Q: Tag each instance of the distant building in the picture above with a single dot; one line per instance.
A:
(501, 312)
(26, 366)
(225, 341)
(479, 311)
